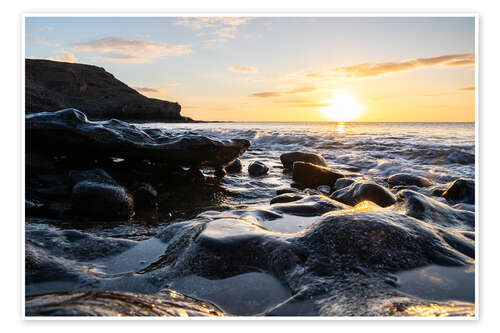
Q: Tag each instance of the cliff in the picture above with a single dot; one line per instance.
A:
(53, 85)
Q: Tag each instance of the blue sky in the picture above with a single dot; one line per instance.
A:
(221, 68)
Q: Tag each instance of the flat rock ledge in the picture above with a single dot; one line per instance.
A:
(69, 131)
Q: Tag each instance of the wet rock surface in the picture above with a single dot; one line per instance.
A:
(461, 190)
(408, 179)
(115, 138)
(311, 175)
(166, 303)
(288, 159)
(361, 191)
(257, 169)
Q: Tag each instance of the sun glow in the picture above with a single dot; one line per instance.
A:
(343, 106)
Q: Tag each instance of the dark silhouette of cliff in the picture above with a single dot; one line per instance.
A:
(54, 85)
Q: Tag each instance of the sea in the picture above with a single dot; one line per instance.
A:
(441, 152)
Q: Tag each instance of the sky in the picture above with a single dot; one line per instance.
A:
(279, 68)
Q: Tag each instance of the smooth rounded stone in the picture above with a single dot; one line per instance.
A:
(72, 244)
(280, 191)
(464, 206)
(380, 240)
(408, 179)
(462, 189)
(40, 266)
(286, 197)
(363, 190)
(325, 189)
(257, 169)
(166, 303)
(220, 172)
(343, 182)
(311, 175)
(101, 201)
(288, 159)
(69, 131)
(437, 213)
(94, 175)
(145, 198)
(228, 247)
(314, 205)
(234, 166)
(461, 157)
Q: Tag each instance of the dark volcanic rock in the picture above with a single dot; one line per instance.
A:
(234, 166)
(257, 169)
(289, 158)
(283, 190)
(101, 201)
(312, 175)
(429, 210)
(313, 205)
(145, 198)
(408, 179)
(166, 303)
(69, 131)
(462, 189)
(286, 197)
(95, 175)
(381, 239)
(343, 182)
(53, 85)
(360, 191)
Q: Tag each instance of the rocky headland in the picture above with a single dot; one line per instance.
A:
(53, 85)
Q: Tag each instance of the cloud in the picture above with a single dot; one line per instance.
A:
(224, 27)
(376, 69)
(266, 94)
(315, 75)
(278, 94)
(43, 41)
(198, 23)
(243, 69)
(149, 90)
(300, 90)
(65, 57)
(171, 84)
(46, 28)
(130, 51)
(467, 89)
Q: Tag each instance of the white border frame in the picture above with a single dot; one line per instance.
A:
(266, 13)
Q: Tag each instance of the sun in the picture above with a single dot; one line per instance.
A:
(343, 106)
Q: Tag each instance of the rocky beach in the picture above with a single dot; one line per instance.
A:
(158, 218)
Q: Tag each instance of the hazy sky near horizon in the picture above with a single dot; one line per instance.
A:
(279, 69)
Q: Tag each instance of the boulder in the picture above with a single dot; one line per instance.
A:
(257, 169)
(312, 175)
(70, 132)
(145, 198)
(165, 303)
(408, 179)
(343, 182)
(312, 205)
(363, 190)
(432, 211)
(462, 189)
(286, 197)
(101, 201)
(234, 166)
(289, 158)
